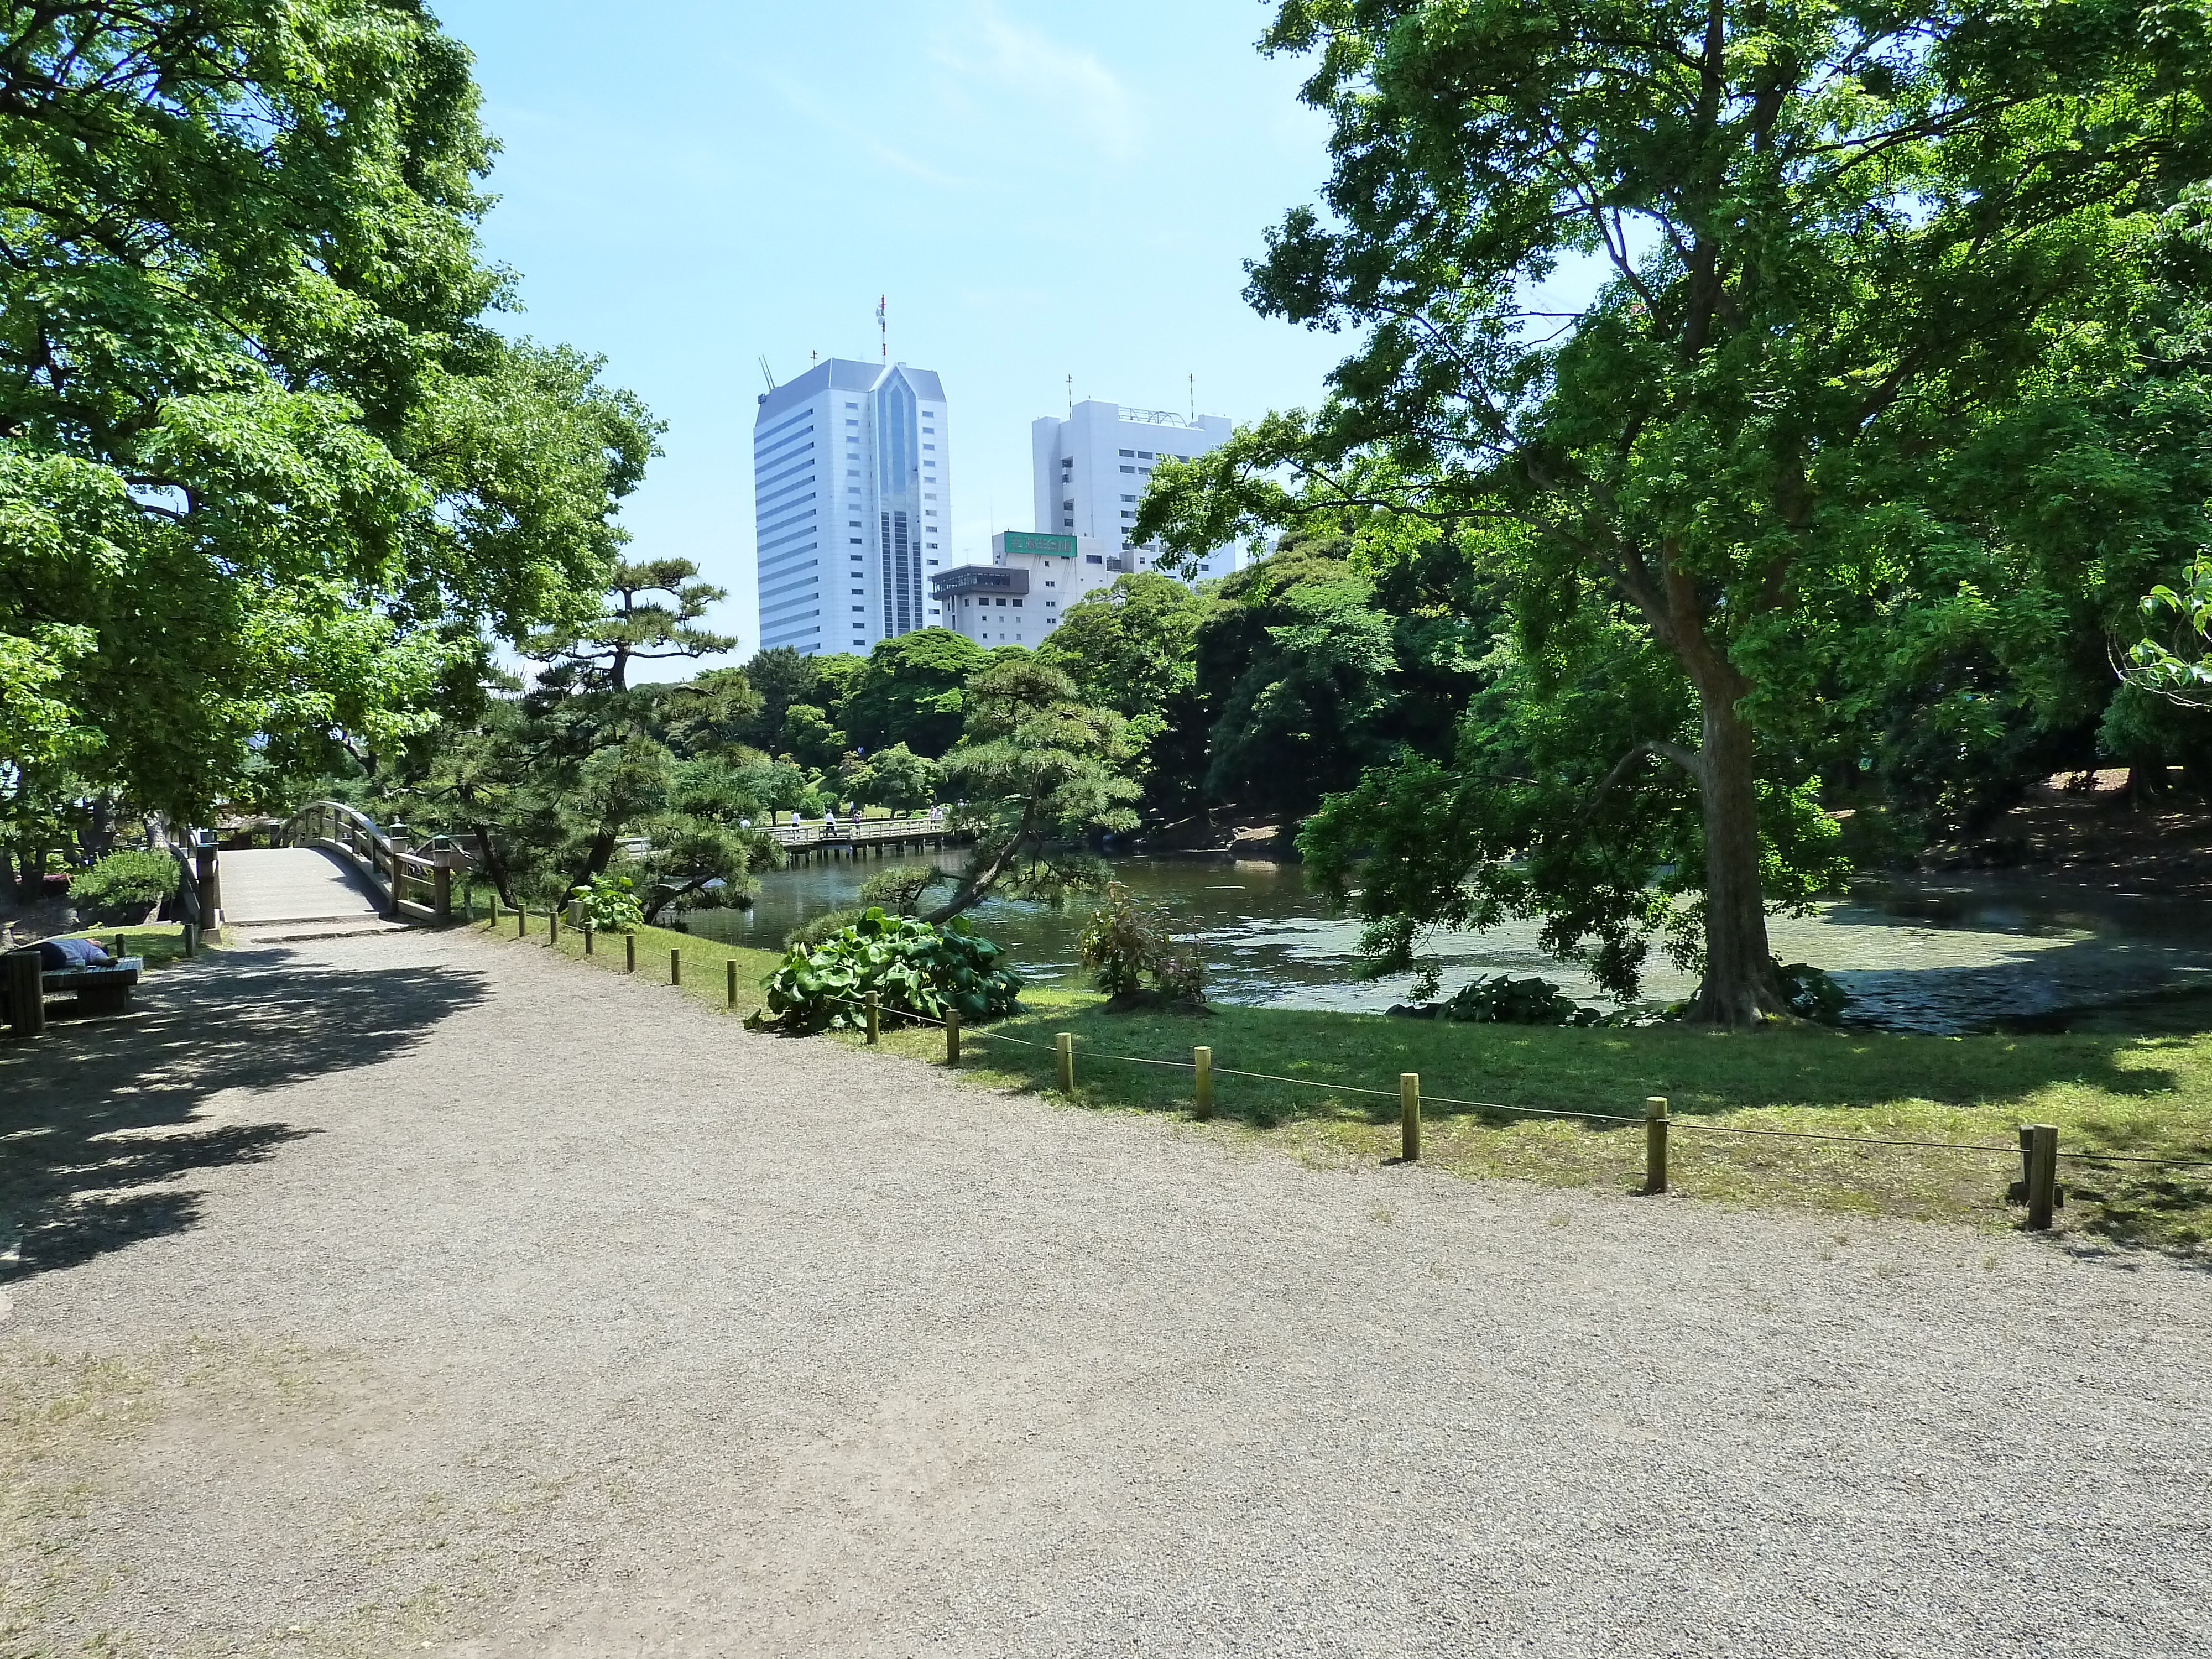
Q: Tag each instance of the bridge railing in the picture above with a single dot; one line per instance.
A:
(410, 884)
(815, 833)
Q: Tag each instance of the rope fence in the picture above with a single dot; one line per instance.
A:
(2038, 1150)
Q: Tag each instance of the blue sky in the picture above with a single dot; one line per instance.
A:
(1041, 191)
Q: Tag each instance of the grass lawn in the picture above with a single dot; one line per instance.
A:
(2134, 1091)
(704, 975)
(160, 942)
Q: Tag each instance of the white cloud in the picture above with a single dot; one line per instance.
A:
(996, 55)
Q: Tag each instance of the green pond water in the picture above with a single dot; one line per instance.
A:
(1945, 955)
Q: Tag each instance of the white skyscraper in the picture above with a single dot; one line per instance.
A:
(1089, 469)
(851, 493)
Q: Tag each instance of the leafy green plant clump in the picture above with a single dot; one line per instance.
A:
(1124, 944)
(1502, 1000)
(125, 883)
(609, 904)
(913, 966)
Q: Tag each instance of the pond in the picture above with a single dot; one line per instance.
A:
(1939, 955)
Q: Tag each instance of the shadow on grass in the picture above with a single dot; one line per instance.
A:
(99, 1118)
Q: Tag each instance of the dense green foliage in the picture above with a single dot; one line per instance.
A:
(269, 482)
(912, 967)
(1130, 947)
(122, 884)
(1887, 413)
(608, 905)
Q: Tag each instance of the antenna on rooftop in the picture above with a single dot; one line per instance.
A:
(765, 375)
(1071, 394)
(1194, 398)
(882, 325)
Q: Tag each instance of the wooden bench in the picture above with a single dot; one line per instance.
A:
(98, 990)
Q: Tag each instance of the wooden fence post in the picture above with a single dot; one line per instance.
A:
(1064, 1041)
(192, 939)
(589, 936)
(553, 926)
(1202, 1083)
(1409, 1117)
(875, 1015)
(676, 966)
(26, 993)
(2042, 1175)
(952, 1036)
(1655, 1143)
(494, 907)
(522, 920)
(629, 953)
(442, 892)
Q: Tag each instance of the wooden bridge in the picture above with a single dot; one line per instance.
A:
(335, 870)
(862, 837)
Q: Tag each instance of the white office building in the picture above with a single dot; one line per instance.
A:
(1090, 469)
(851, 495)
(1021, 595)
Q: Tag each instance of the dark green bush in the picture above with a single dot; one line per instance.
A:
(911, 966)
(125, 883)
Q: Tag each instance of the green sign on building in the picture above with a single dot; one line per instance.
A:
(1029, 541)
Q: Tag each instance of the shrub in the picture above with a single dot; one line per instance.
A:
(609, 905)
(1125, 943)
(1502, 1000)
(125, 881)
(826, 926)
(911, 966)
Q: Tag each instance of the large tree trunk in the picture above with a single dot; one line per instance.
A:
(493, 865)
(1740, 987)
(595, 862)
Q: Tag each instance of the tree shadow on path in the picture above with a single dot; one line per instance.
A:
(102, 1123)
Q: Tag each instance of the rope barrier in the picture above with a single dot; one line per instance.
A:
(1692, 1123)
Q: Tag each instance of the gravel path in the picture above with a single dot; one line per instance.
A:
(457, 1300)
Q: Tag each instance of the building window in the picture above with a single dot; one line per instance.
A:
(1129, 452)
(852, 422)
(1069, 524)
(1092, 558)
(928, 446)
(1067, 507)
(855, 540)
(1128, 498)
(861, 608)
(1144, 455)
(1018, 604)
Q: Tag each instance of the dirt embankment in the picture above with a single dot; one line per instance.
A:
(2091, 831)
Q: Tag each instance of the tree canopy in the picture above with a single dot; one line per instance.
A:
(268, 479)
(1853, 256)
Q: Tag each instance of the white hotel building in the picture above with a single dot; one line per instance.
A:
(851, 495)
(1090, 469)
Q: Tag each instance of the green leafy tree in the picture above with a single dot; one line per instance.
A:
(1841, 243)
(810, 739)
(895, 778)
(266, 477)
(1132, 647)
(1036, 771)
(2178, 665)
(913, 690)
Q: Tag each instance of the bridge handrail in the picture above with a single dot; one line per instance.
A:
(407, 882)
(808, 834)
